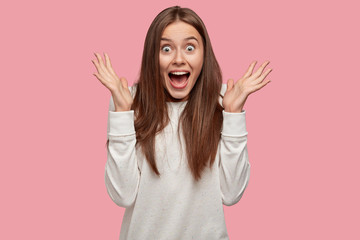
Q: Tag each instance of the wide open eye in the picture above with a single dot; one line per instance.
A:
(166, 49)
(190, 48)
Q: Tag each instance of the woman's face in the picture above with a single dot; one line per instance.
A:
(181, 58)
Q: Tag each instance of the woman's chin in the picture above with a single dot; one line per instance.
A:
(176, 95)
(178, 98)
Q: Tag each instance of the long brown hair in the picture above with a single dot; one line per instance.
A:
(201, 119)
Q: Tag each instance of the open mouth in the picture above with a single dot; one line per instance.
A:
(179, 80)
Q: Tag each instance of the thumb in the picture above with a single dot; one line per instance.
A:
(230, 85)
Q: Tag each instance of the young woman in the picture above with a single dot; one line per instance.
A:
(177, 138)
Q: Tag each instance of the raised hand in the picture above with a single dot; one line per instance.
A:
(236, 94)
(117, 86)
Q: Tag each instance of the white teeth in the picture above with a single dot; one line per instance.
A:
(178, 73)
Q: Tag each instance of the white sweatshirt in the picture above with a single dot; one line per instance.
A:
(174, 206)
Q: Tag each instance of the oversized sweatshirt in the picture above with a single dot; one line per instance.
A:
(174, 206)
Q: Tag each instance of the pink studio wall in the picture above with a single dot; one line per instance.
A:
(303, 126)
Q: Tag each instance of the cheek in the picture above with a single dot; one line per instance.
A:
(164, 62)
(198, 62)
(161, 63)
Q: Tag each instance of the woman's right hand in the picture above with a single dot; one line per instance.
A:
(117, 86)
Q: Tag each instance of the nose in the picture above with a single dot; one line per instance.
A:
(179, 58)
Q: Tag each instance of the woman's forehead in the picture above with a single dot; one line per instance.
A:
(180, 30)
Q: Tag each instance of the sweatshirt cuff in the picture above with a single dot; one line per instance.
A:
(234, 124)
(121, 123)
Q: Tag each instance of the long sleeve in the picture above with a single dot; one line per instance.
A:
(234, 164)
(122, 175)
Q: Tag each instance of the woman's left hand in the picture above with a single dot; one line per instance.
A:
(236, 94)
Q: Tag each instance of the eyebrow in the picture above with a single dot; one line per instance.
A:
(188, 38)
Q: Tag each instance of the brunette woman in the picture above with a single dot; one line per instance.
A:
(177, 139)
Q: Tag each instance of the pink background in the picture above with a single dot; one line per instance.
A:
(303, 126)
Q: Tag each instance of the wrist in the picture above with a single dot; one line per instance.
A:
(122, 109)
(121, 103)
(234, 110)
